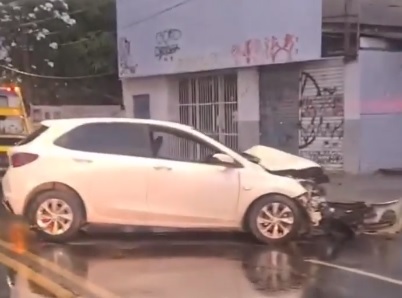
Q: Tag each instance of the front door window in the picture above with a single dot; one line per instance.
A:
(176, 145)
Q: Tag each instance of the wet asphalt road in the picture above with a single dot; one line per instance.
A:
(214, 265)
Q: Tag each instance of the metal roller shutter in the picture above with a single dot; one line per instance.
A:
(321, 112)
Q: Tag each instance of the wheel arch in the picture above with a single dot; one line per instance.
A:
(249, 208)
(47, 186)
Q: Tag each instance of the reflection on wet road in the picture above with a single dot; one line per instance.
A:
(201, 266)
(211, 265)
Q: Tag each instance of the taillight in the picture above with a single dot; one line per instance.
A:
(22, 159)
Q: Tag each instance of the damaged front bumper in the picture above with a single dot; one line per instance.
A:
(350, 217)
(361, 217)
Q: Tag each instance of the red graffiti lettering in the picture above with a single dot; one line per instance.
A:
(266, 50)
(251, 50)
(288, 47)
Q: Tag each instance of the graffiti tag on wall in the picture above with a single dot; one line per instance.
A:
(126, 65)
(266, 50)
(167, 44)
(321, 124)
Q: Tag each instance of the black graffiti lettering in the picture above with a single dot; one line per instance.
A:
(321, 116)
(167, 36)
(166, 51)
(307, 78)
(324, 106)
(167, 43)
(326, 157)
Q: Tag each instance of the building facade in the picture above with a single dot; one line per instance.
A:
(251, 72)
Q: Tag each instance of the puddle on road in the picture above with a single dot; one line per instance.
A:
(201, 265)
(14, 285)
(198, 266)
(18, 274)
(174, 267)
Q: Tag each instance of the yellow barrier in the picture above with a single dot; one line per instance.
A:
(11, 112)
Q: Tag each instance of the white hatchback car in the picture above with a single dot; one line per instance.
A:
(148, 173)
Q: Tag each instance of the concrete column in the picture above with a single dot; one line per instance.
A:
(173, 99)
(352, 131)
(248, 113)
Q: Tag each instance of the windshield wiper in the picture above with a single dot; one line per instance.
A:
(252, 158)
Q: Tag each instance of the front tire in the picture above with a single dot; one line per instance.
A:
(57, 215)
(275, 219)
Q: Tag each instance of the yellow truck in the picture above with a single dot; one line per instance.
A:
(14, 122)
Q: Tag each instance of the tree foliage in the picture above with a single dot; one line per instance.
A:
(90, 48)
(24, 26)
(64, 38)
(92, 43)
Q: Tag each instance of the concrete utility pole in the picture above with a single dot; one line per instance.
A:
(347, 29)
(27, 91)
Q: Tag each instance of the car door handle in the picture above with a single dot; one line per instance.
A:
(82, 160)
(160, 168)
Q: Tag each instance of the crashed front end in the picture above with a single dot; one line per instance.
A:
(361, 217)
(355, 217)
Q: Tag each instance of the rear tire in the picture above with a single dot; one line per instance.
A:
(275, 219)
(68, 215)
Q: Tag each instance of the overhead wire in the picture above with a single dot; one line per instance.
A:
(156, 14)
(137, 22)
(56, 77)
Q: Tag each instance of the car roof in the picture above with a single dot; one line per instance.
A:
(73, 122)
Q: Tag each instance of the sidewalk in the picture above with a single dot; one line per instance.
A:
(370, 188)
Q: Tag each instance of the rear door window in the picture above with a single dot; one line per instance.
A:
(130, 139)
(35, 134)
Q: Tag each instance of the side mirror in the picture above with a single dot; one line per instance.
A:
(224, 159)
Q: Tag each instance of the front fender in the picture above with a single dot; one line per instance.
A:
(266, 184)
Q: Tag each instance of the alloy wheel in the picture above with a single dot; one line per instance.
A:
(54, 216)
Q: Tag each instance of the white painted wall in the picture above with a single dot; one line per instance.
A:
(373, 112)
(164, 100)
(210, 34)
(381, 110)
(163, 92)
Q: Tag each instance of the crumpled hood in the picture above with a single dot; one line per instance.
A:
(277, 160)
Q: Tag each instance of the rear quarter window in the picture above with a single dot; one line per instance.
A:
(35, 134)
(108, 138)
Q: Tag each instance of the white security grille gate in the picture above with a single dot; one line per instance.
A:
(209, 103)
(321, 112)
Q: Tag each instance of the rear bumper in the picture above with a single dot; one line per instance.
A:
(13, 196)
